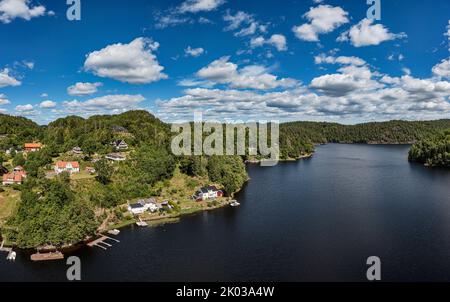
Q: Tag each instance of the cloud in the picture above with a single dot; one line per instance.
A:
(222, 71)
(12, 9)
(82, 89)
(276, 40)
(7, 80)
(322, 19)
(343, 60)
(47, 104)
(442, 69)
(177, 15)
(133, 63)
(106, 103)
(4, 100)
(24, 108)
(448, 34)
(350, 79)
(195, 6)
(44, 95)
(365, 34)
(353, 94)
(243, 24)
(194, 52)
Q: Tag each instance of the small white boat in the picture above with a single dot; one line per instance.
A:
(12, 256)
(234, 203)
(114, 232)
(142, 223)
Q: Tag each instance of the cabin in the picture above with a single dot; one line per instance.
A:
(14, 178)
(77, 150)
(33, 147)
(115, 157)
(120, 145)
(207, 193)
(70, 167)
(90, 170)
(142, 206)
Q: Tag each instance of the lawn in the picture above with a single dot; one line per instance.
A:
(8, 203)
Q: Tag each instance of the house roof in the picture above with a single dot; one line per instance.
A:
(33, 145)
(115, 155)
(15, 176)
(136, 206)
(63, 164)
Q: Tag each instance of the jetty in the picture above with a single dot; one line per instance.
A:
(101, 242)
(47, 256)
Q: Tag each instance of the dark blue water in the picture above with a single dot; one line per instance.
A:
(313, 220)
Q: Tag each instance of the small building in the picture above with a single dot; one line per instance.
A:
(120, 145)
(143, 206)
(77, 150)
(207, 193)
(33, 147)
(14, 149)
(18, 169)
(115, 157)
(14, 178)
(70, 167)
(90, 170)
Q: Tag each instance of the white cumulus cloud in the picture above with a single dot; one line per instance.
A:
(133, 63)
(7, 80)
(81, 89)
(222, 71)
(194, 52)
(12, 9)
(47, 104)
(365, 33)
(322, 19)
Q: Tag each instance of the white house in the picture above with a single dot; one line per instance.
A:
(143, 206)
(71, 167)
(120, 145)
(206, 193)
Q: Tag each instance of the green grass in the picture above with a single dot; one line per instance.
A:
(8, 203)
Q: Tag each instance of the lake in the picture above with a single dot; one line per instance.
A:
(313, 220)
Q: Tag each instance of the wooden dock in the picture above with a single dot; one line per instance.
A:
(101, 242)
(47, 256)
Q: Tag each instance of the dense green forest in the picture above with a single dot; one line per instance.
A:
(433, 151)
(299, 136)
(59, 211)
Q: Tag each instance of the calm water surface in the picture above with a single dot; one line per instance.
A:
(313, 220)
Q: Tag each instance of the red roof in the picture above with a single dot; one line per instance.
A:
(63, 164)
(33, 145)
(15, 176)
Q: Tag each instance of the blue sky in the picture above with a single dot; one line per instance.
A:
(231, 60)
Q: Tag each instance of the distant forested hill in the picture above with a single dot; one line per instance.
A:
(97, 132)
(295, 136)
(15, 131)
(140, 127)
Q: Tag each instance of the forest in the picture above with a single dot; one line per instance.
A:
(433, 151)
(61, 210)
